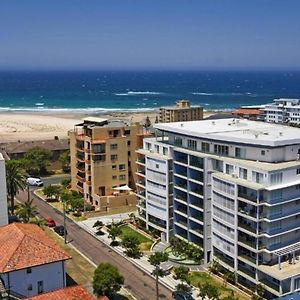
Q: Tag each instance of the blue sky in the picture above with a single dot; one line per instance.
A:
(149, 34)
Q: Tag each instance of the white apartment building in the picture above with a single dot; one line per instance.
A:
(236, 191)
(154, 187)
(286, 111)
(3, 197)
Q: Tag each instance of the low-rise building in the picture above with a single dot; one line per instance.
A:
(30, 263)
(284, 111)
(253, 113)
(3, 196)
(182, 111)
(103, 161)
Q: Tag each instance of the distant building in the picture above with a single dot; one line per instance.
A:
(253, 113)
(68, 293)
(182, 111)
(3, 196)
(103, 161)
(31, 263)
(284, 111)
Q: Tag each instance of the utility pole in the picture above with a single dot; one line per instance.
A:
(65, 229)
(156, 281)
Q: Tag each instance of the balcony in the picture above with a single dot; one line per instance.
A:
(182, 209)
(246, 271)
(248, 242)
(247, 226)
(248, 212)
(141, 161)
(141, 204)
(247, 257)
(182, 198)
(270, 284)
(80, 157)
(181, 185)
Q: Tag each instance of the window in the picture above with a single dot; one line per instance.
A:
(122, 167)
(263, 152)
(148, 146)
(276, 178)
(257, 177)
(221, 149)
(113, 146)
(114, 177)
(114, 157)
(99, 148)
(177, 141)
(229, 169)
(275, 211)
(122, 177)
(275, 241)
(297, 284)
(29, 287)
(157, 166)
(127, 132)
(114, 167)
(205, 147)
(128, 153)
(274, 226)
(28, 270)
(156, 148)
(165, 151)
(192, 144)
(243, 173)
(298, 171)
(128, 143)
(40, 287)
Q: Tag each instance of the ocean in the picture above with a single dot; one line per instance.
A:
(134, 91)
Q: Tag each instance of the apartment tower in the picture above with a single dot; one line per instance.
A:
(3, 196)
(103, 161)
(182, 111)
(236, 194)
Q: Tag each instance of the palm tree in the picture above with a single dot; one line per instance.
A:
(15, 181)
(26, 210)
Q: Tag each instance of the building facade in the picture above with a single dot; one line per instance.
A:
(236, 195)
(31, 263)
(284, 111)
(103, 161)
(3, 196)
(155, 188)
(182, 111)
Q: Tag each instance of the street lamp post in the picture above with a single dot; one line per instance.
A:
(156, 281)
(65, 229)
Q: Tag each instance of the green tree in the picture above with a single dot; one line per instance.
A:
(157, 258)
(131, 243)
(114, 232)
(76, 203)
(98, 225)
(229, 277)
(107, 280)
(65, 182)
(258, 292)
(208, 290)
(26, 210)
(36, 160)
(38, 221)
(64, 159)
(51, 191)
(214, 267)
(182, 273)
(15, 181)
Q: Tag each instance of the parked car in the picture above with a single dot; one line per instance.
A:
(178, 295)
(34, 181)
(51, 222)
(60, 229)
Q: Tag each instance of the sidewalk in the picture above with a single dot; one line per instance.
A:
(142, 263)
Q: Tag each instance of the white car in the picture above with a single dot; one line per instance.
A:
(34, 181)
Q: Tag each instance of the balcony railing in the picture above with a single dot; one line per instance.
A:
(247, 227)
(248, 257)
(248, 242)
(270, 284)
(246, 271)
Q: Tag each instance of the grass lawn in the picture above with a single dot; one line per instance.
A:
(78, 268)
(115, 211)
(203, 277)
(145, 243)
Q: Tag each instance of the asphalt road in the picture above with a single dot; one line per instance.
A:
(140, 284)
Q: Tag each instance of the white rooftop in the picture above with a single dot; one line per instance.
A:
(236, 130)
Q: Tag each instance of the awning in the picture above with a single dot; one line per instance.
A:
(123, 188)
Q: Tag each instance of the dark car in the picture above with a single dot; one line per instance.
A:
(60, 229)
(177, 295)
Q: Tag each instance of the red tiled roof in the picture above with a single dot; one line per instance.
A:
(70, 293)
(247, 111)
(27, 245)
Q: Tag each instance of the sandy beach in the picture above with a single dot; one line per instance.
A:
(45, 126)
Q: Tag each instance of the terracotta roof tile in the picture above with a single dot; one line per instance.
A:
(70, 293)
(27, 245)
